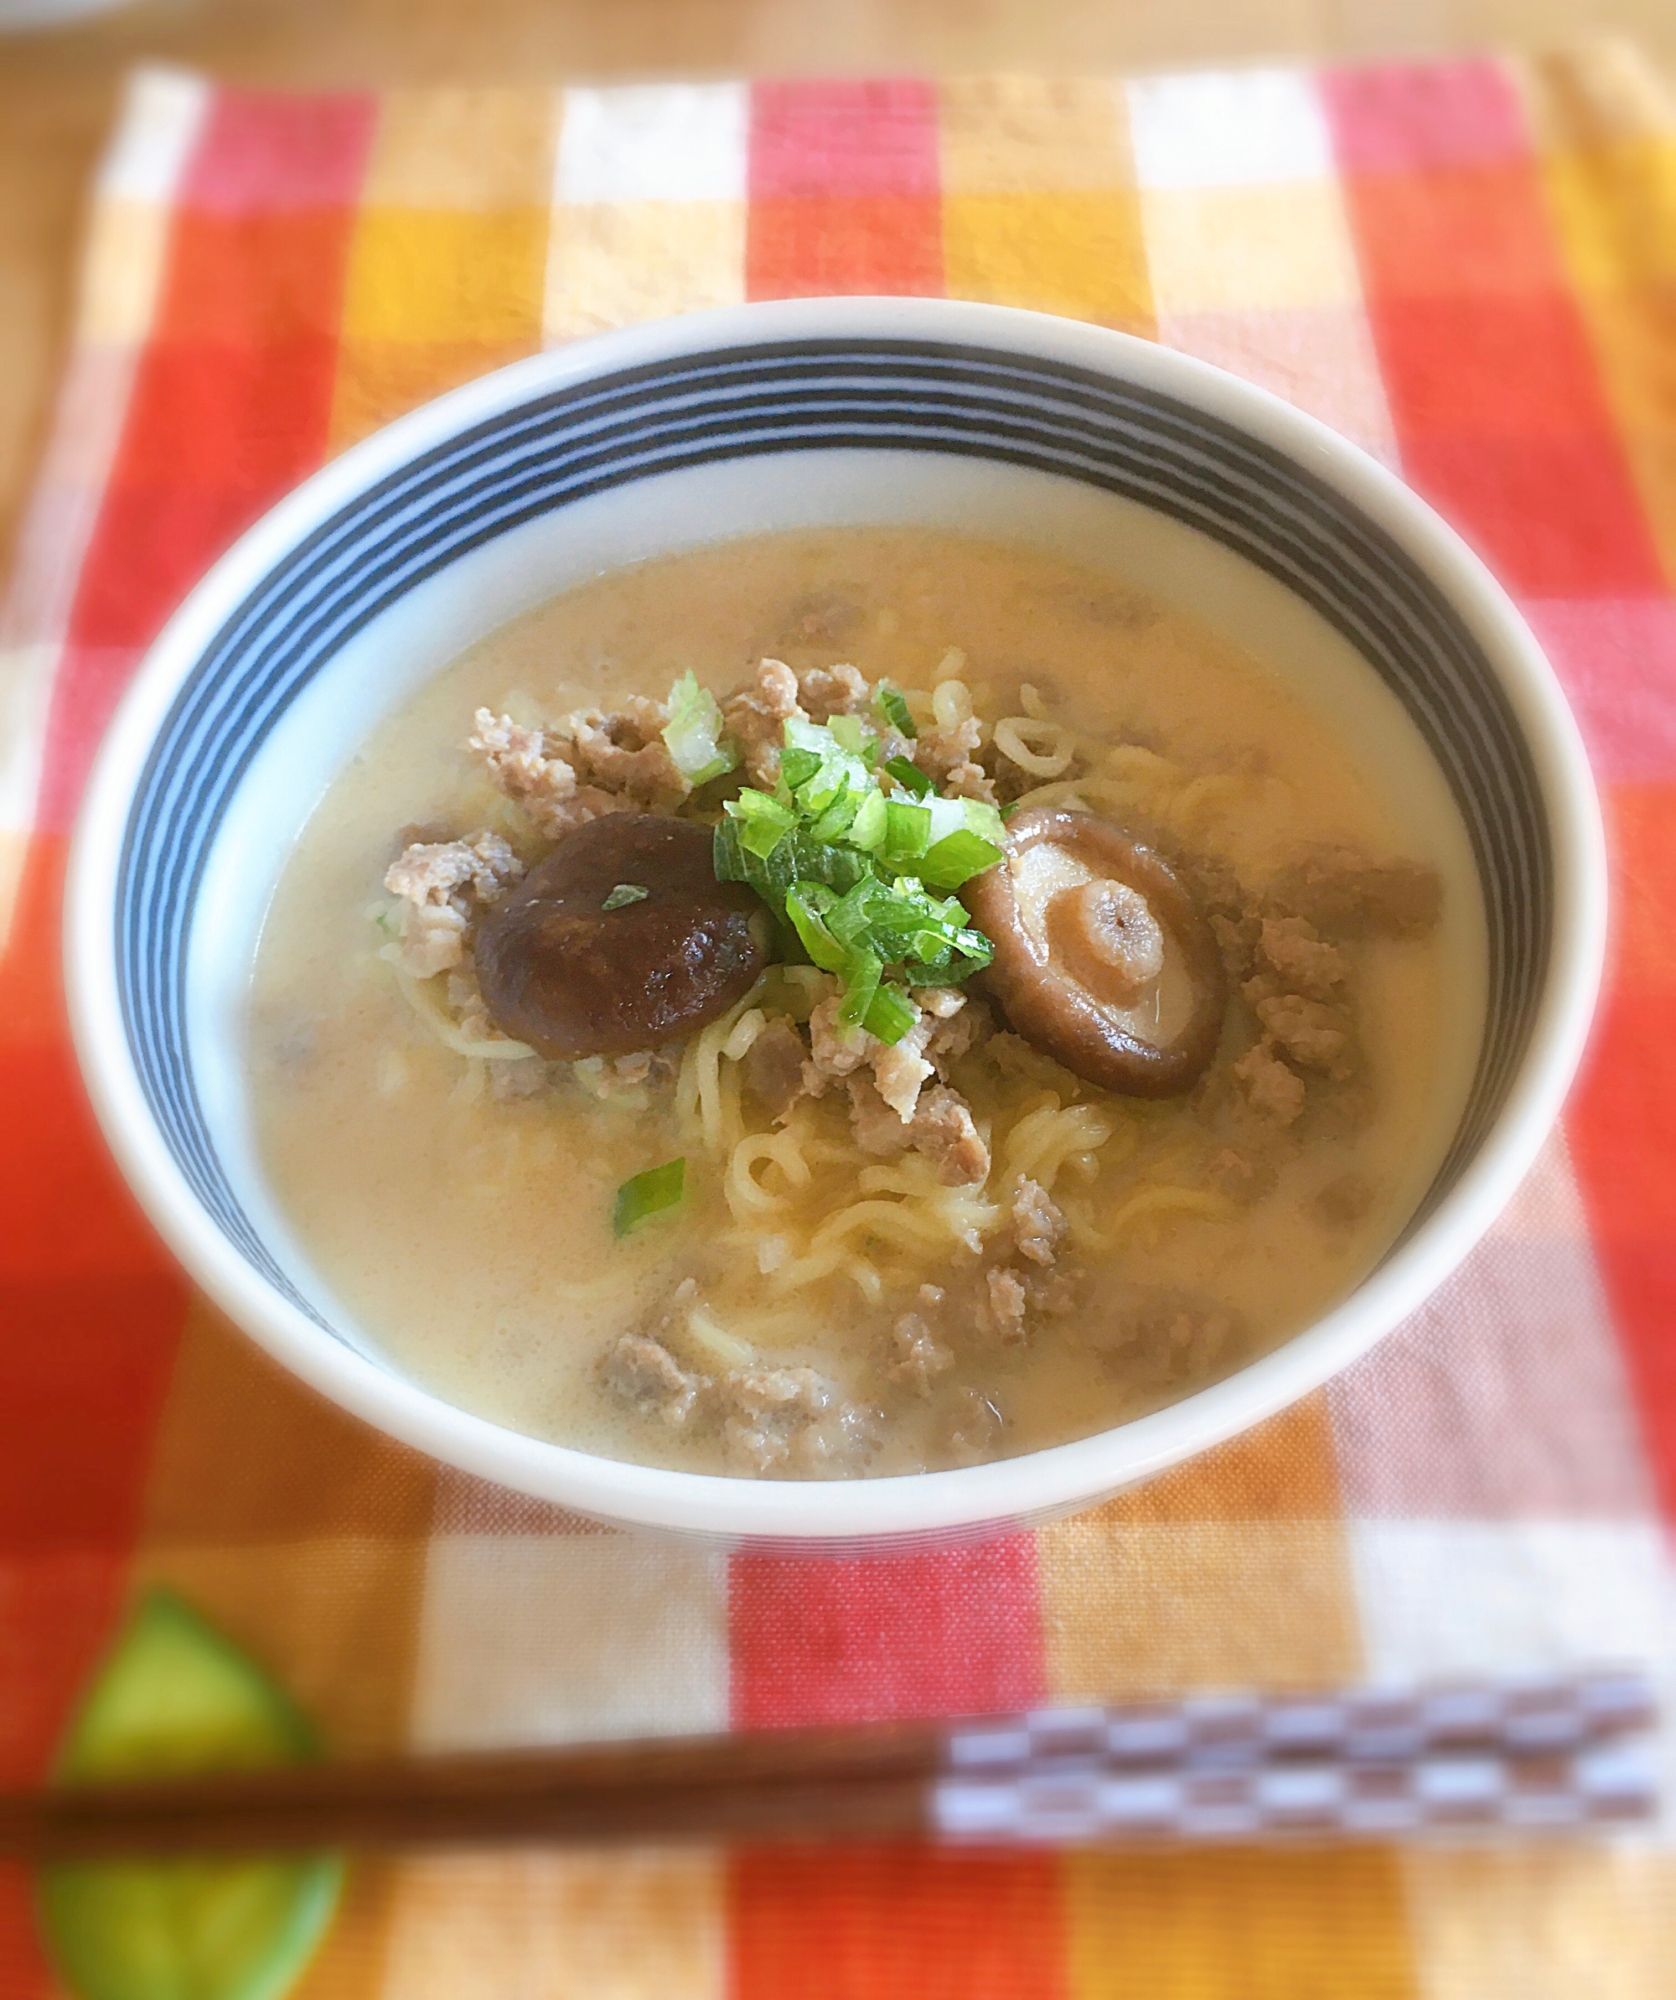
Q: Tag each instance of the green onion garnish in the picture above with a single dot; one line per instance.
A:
(693, 733)
(893, 707)
(861, 878)
(647, 1194)
(624, 894)
(910, 777)
(890, 1015)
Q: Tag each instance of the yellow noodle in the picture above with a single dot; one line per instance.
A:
(1041, 1142)
(1044, 749)
(427, 1004)
(745, 1031)
(701, 1104)
(1130, 760)
(951, 698)
(1068, 792)
(746, 1195)
(1151, 1204)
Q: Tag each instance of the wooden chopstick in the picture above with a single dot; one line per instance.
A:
(1552, 1753)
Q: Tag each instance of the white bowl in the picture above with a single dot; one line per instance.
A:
(408, 548)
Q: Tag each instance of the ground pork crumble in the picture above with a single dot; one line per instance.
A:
(891, 1108)
(770, 1420)
(441, 886)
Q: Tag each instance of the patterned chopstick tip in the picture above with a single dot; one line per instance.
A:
(1551, 1755)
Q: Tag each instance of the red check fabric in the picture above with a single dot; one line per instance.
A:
(1468, 268)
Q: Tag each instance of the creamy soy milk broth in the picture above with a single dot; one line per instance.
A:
(463, 1215)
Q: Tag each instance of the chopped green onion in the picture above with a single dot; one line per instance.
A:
(624, 894)
(806, 903)
(891, 1014)
(870, 828)
(910, 777)
(763, 821)
(907, 835)
(893, 706)
(848, 733)
(693, 733)
(861, 975)
(956, 859)
(647, 1194)
(859, 876)
(798, 766)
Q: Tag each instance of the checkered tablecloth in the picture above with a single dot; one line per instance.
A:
(1470, 269)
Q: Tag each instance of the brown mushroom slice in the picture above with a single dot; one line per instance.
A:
(1102, 957)
(572, 978)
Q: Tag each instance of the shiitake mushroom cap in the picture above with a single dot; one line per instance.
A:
(1052, 1007)
(574, 979)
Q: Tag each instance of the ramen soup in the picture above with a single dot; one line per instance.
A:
(850, 1003)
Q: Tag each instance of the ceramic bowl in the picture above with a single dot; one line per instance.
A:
(416, 543)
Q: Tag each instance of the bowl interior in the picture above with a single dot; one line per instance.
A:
(380, 590)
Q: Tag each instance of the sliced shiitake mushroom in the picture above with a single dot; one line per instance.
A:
(1102, 956)
(573, 977)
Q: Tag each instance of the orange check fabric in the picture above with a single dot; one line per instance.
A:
(1469, 269)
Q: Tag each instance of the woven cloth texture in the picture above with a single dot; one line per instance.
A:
(1470, 269)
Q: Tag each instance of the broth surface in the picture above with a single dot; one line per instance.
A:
(467, 1229)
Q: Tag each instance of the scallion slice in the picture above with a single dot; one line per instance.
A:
(693, 733)
(893, 706)
(909, 776)
(647, 1194)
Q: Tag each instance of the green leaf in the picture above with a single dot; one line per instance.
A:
(647, 1194)
(693, 733)
(893, 706)
(175, 1697)
(624, 894)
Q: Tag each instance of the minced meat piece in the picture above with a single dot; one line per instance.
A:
(793, 1419)
(942, 1128)
(526, 765)
(1313, 1035)
(624, 751)
(835, 1050)
(1294, 951)
(441, 886)
(1038, 1222)
(829, 691)
(644, 1373)
(774, 1067)
(756, 716)
(1003, 1307)
(918, 1355)
(1269, 1086)
(946, 1026)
